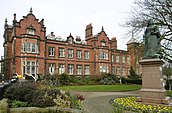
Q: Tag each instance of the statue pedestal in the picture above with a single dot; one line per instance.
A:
(152, 90)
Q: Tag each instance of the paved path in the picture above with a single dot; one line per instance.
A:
(99, 102)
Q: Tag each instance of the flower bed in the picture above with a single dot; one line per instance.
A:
(130, 104)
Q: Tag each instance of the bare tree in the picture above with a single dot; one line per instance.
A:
(167, 72)
(161, 12)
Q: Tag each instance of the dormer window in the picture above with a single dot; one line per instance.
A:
(103, 43)
(31, 31)
(70, 41)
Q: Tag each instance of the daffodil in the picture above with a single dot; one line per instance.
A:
(129, 103)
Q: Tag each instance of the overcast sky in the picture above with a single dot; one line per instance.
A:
(71, 16)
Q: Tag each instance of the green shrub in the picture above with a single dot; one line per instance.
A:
(52, 80)
(18, 91)
(133, 73)
(29, 92)
(109, 79)
(40, 99)
(64, 79)
(133, 81)
(17, 103)
(81, 80)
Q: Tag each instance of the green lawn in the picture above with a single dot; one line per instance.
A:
(169, 93)
(101, 88)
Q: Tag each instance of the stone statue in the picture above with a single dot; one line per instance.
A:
(152, 41)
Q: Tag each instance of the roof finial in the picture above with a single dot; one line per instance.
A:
(31, 10)
(6, 21)
(70, 34)
(14, 17)
(102, 28)
(5, 25)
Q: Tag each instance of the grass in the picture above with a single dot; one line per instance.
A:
(169, 93)
(101, 88)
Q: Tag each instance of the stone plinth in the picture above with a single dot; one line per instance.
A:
(152, 90)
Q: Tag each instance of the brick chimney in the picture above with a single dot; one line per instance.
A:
(78, 39)
(114, 43)
(88, 31)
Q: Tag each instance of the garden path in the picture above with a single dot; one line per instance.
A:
(99, 102)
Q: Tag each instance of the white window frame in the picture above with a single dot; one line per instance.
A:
(29, 47)
(86, 55)
(79, 54)
(33, 48)
(117, 58)
(103, 55)
(123, 59)
(123, 71)
(104, 69)
(51, 51)
(70, 69)
(61, 68)
(70, 40)
(52, 68)
(103, 43)
(118, 70)
(70, 53)
(31, 31)
(87, 70)
(29, 67)
(128, 60)
(61, 52)
(112, 58)
(113, 70)
(79, 69)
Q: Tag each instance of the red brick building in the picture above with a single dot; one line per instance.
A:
(27, 49)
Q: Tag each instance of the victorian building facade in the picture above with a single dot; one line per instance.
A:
(28, 50)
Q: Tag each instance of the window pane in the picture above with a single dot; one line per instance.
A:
(128, 60)
(118, 71)
(104, 68)
(123, 59)
(51, 51)
(30, 31)
(87, 70)
(70, 53)
(123, 71)
(78, 54)
(28, 46)
(51, 68)
(79, 70)
(117, 58)
(28, 69)
(103, 55)
(103, 43)
(33, 47)
(71, 69)
(112, 58)
(86, 55)
(24, 47)
(61, 68)
(61, 52)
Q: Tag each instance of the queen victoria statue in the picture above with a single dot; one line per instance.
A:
(152, 40)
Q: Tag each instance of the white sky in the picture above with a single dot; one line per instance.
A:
(71, 16)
